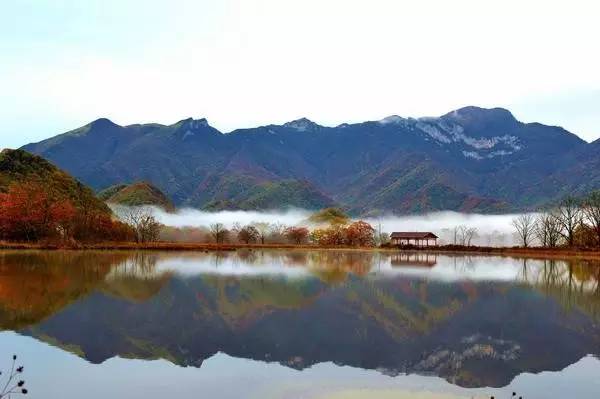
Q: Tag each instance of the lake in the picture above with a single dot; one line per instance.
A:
(300, 324)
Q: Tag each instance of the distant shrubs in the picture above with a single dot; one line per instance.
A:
(296, 235)
(358, 234)
(355, 234)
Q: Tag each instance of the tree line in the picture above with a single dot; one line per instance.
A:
(34, 212)
(358, 233)
(333, 228)
(573, 223)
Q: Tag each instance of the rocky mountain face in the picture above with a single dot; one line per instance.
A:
(471, 159)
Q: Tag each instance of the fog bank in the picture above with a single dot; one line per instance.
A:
(495, 230)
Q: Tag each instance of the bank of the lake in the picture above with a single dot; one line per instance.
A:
(532, 252)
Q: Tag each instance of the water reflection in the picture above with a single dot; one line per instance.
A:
(414, 259)
(475, 321)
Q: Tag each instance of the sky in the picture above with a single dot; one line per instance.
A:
(250, 63)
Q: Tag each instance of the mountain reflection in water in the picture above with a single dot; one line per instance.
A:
(474, 321)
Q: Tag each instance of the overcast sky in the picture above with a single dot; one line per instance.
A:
(248, 63)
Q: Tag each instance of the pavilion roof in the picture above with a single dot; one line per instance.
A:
(414, 235)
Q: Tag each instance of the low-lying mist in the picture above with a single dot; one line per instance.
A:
(492, 230)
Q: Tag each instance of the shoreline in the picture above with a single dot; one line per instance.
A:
(533, 252)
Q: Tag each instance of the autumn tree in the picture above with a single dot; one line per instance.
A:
(584, 236)
(30, 212)
(248, 234)
(333, 235)
(297, 235)
(360, 234)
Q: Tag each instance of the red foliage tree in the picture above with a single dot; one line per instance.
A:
(360, 234)
(29, 212)
(297, 235)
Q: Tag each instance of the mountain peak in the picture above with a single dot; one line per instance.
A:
(392, 119)
(487, 120)
(473, 112)
(194, 128)
(302, 125)
(102, 123)
(191, 123)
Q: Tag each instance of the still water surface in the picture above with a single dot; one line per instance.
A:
(300, 324)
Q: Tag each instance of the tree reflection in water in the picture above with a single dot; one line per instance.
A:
(376, 310)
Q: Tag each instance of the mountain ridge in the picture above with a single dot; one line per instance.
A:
(473, 159)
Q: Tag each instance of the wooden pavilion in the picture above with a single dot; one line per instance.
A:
(419, 239)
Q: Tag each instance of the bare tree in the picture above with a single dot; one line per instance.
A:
(277, 233)
(569, 216)
(297, 235)
(469, 234)
(463, 235)
(547, 230)
(457, 234)
(263, 230)
(235, 229)
(143, 222)
(218, 232)
(380, 236)
(525, 226)
(591, 210)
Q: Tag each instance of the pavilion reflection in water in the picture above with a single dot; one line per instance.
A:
(419, 259)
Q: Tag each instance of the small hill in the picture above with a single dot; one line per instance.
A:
(332, 216)
(18, 166)
(136, 194)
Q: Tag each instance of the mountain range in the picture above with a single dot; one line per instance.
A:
(471, 159)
